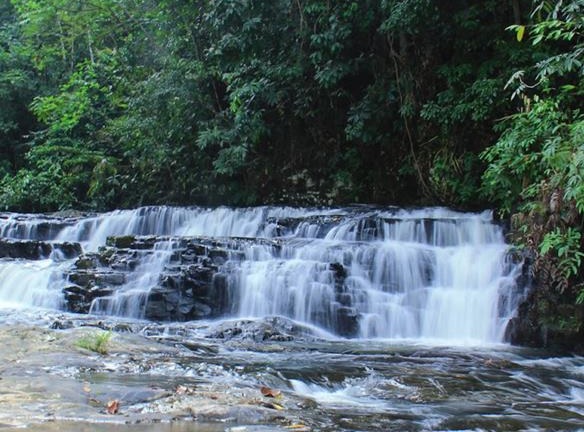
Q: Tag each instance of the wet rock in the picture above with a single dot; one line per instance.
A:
(111, 278)
(35, 250)
(86, 262)
(82, 278)
(276, 329)
(287, 225)
(347, 321)
(61, 324)
(120, 242)
(76, 299)
(37, 226)
(166, 304)
(545, 317)
(68, 249)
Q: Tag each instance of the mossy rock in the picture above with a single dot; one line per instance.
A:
(86, 262)
(120, 242)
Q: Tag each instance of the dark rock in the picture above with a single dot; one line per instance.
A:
(194, 283)
(87, 262)
(286, 226)
(111, 278)
(338, 270)
(120, 242)
(200, 348)
(546, 317)
(346, 321)
(218, 256)
(69, 250)
(76, 298)
(99, 291)
(61, 324)
(276, 329)
(35, 250)
(82, 278)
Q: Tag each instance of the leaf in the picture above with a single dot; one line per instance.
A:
(113, 406)
(297, 427)
(273, 405)
(520, 33)
(268, 392)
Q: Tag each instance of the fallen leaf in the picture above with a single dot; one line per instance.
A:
(273, 405)
(113, 406)
(268, 392)
(297, 427)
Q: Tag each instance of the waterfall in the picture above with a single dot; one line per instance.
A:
(360, 272)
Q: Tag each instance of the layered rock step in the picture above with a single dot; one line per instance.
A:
(36, 250)
(37, 226)
(195, 282)
(190, 285)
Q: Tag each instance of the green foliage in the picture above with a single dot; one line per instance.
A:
(17, 88)
(527, 149)
(541, 146)
(95, 342)
(535, 169)
(244, 102)
(567, 246)
(61, 174)
(453, 178)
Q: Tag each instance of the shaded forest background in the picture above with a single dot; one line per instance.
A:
(470, 104)
(119, 103)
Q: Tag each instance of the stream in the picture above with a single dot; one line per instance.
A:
(270, 319)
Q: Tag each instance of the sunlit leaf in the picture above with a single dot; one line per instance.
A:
(273, 405)
(268, 392)
(113, 406)
(520, 33)
(297, 427)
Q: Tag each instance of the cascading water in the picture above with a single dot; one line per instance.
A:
(389, 273)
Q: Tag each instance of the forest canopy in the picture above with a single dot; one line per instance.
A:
(120, 103)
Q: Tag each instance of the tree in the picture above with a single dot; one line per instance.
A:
(536, 169)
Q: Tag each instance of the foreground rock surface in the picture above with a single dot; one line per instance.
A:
(48, 379)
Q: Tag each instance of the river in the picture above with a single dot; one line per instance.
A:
(356, 319)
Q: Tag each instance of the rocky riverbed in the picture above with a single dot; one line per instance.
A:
(270, 319)
(214, 376)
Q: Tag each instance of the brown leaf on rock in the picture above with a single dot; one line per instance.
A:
(268, 392)
(113, 406)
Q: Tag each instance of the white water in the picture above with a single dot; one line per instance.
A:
(424, 274)
(34, 283)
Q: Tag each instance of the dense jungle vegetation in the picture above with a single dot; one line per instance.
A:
(120, 103)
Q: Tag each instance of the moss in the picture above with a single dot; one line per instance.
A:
(120, 242)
